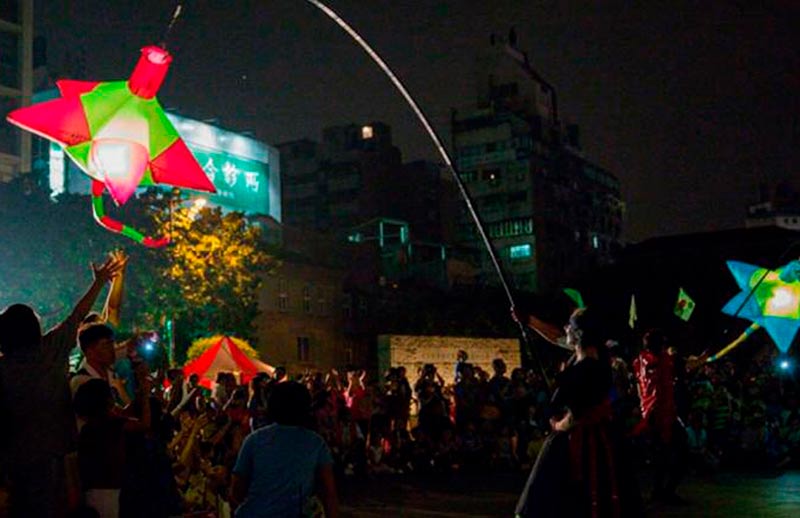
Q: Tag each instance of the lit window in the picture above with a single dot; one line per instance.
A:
(595, 242)
(366, 132)
(491, 175)
(520, 251)
(57, 178)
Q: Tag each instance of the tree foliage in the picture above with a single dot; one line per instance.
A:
(206, 281)
(208, 278)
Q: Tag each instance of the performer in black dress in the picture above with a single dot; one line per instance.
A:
(583, 468)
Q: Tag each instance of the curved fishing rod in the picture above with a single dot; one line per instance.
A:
(437, 141)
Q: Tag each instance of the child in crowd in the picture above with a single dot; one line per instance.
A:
(102, 441)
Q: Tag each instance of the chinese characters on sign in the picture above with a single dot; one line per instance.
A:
(251, 181)
(241, 183)
(210, 169)
(231, 174)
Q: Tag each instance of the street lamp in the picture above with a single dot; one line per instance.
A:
(197, 206)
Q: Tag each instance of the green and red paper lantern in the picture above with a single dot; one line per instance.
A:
(119, 135)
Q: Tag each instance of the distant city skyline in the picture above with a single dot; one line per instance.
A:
(690, 105)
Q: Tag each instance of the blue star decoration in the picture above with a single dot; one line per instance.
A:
(769, 299)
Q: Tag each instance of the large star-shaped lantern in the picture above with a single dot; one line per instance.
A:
(118, 134)
(769, 298)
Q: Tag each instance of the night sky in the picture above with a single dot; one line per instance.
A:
(690, 103)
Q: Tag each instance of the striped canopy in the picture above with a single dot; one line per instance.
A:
(225, 356)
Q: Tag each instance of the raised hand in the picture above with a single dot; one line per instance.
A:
(109, 269)
(120, 257)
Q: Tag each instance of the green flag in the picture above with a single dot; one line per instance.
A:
(576, 297)
(684, 307)
(632, 317)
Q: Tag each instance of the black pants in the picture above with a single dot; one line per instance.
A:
(670, 460)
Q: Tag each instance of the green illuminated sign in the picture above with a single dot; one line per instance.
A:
(241, 184)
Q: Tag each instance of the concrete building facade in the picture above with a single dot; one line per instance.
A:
(308, 316)
(340, 182)
(552, 214)
(16, 83)
(779, 207)
(354, 175)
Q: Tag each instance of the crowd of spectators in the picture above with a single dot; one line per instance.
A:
(744, 415)
(373, 426)
(481, 422)
(151, 443)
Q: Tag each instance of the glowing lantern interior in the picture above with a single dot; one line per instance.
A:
(121, 165)
(769, 298)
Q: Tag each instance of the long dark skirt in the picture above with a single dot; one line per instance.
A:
(581, 473)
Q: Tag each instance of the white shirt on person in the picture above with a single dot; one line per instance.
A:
(84, 373)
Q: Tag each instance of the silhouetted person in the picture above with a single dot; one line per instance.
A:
(583, 467)
(656, 369)
(38, 425)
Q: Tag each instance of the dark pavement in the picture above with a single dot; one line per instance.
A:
(728, 495)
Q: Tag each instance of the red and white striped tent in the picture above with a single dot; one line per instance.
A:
(225, 356)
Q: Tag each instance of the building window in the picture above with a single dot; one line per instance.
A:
(303, 349)
(511, 228)
(10, 44)
(491, 175)
(366, 132)
(322, 302)
(57, 168)
(518, 197)
(307, 299)
(595, 242)
(404, 233)
(283, 295)
(347, 306)
(520, 252)
(467, 176)
(494, 202)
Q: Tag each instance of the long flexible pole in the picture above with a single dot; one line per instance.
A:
(437, 141)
